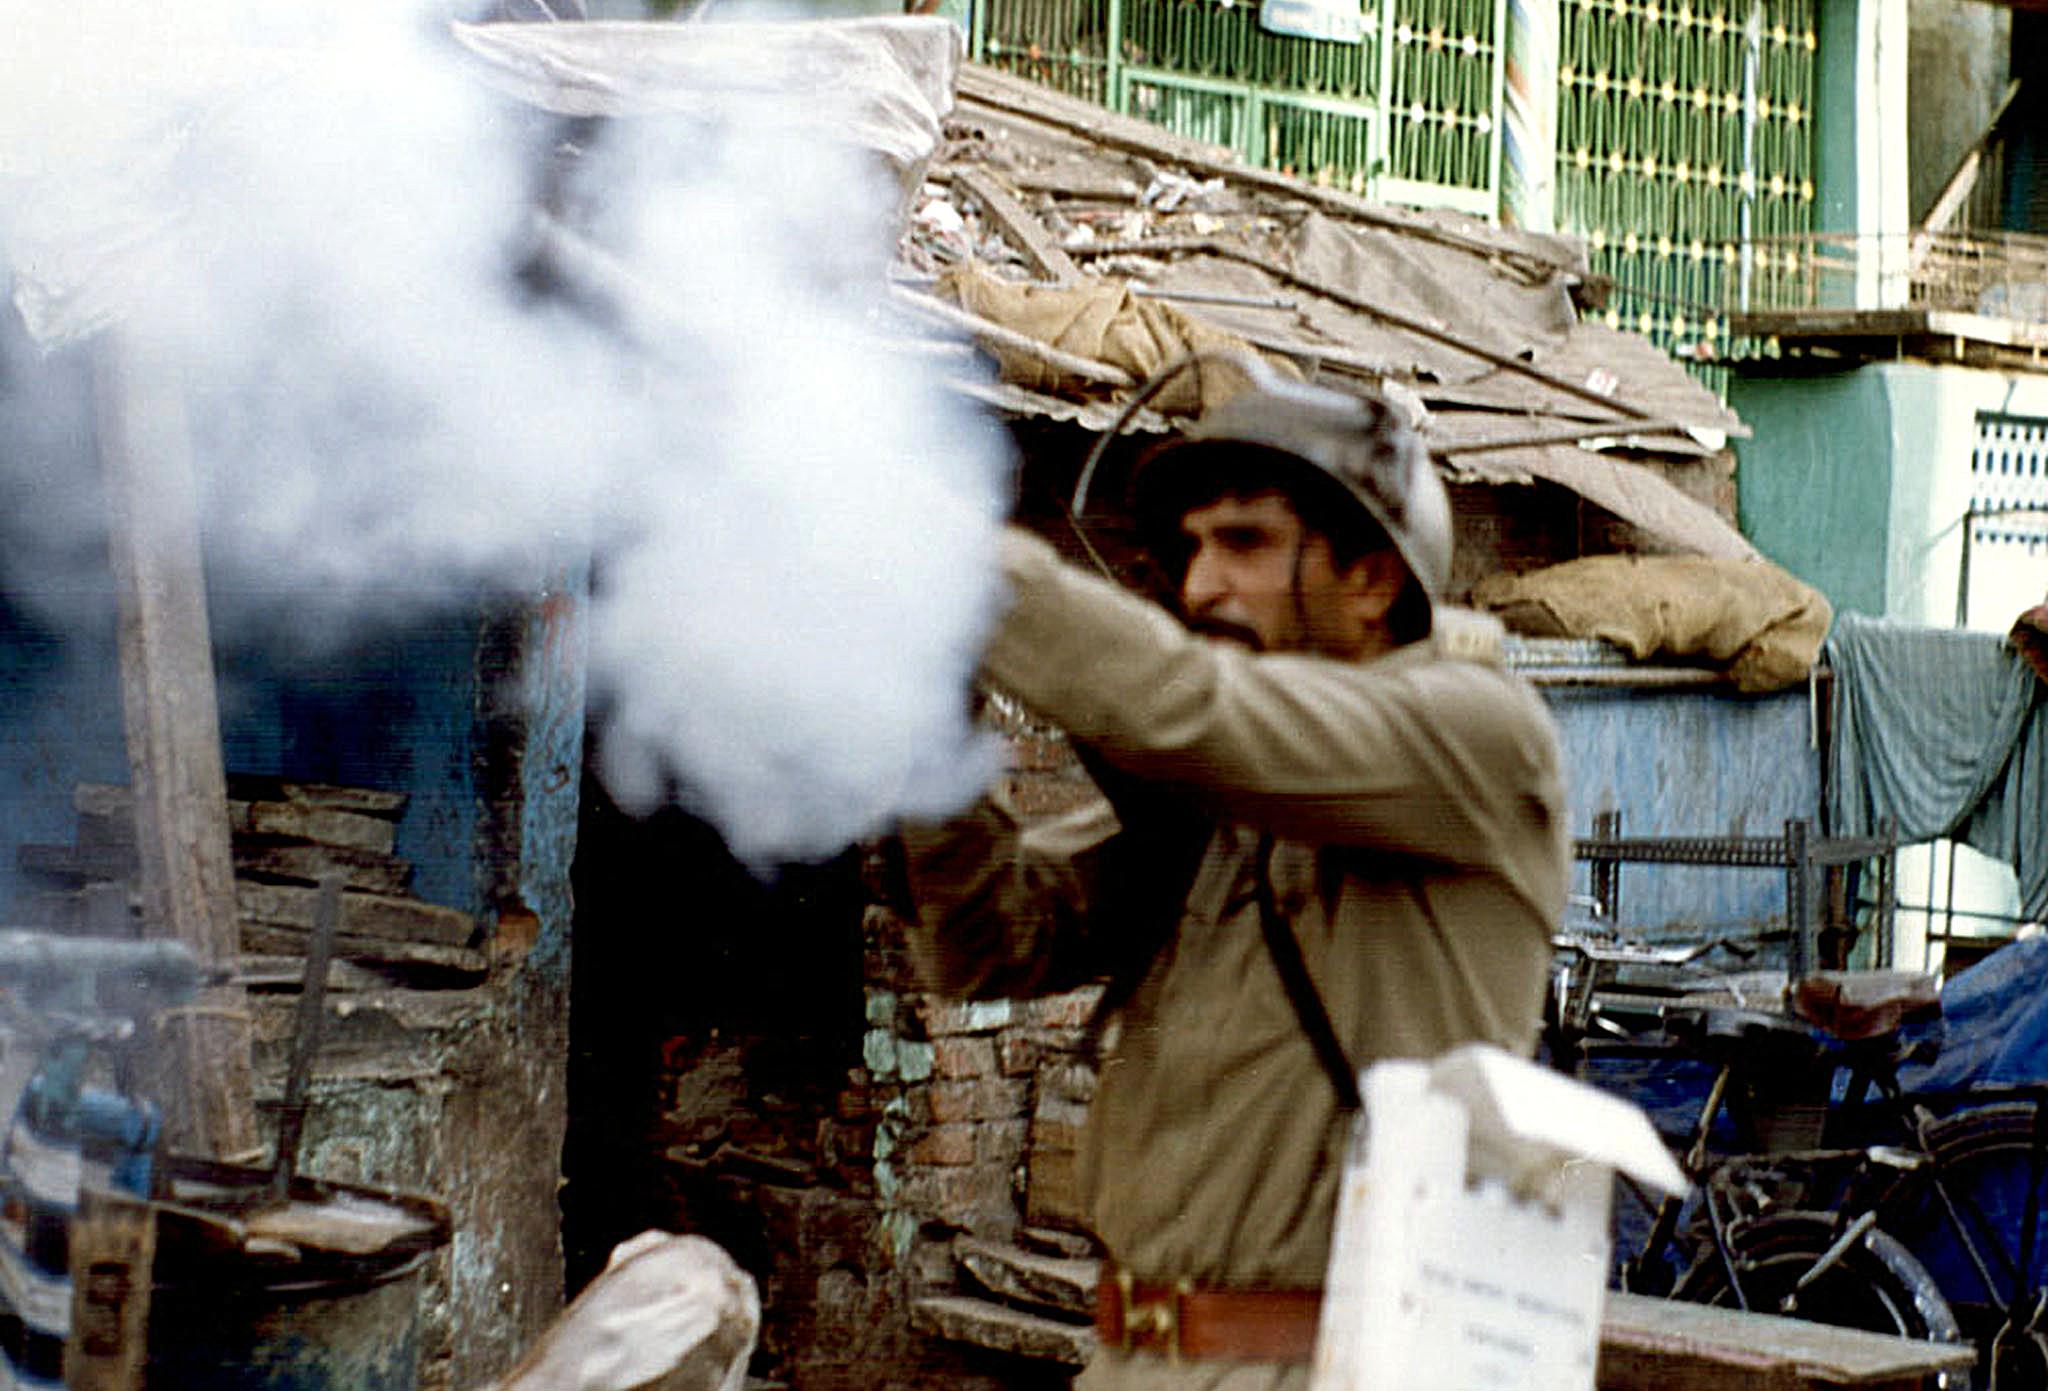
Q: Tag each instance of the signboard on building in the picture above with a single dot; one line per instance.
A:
(1342, 21)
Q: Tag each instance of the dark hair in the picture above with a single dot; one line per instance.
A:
(1176, 479)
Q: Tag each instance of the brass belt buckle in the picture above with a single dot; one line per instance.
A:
(1157, 1319)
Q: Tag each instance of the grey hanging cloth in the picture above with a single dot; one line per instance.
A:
(1944, 734)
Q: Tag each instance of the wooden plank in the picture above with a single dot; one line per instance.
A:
(364, 801)
(1019, 227)
(1087, 369)
(406, 959)
(299, 839)
(985, 1324)
(362, 915)
(288, 973)
(1962, 182)
(364, 870)
(201, 1070)
(113, 1263)
(347, 829)
(1662, 1345)
(1060, 1283)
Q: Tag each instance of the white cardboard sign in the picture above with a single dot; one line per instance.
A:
(1470, 1252)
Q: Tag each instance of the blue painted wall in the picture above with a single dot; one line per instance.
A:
(392, 707)
(1689, 763)
(394, 710)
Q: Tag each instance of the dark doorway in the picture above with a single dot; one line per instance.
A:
(713, 1018)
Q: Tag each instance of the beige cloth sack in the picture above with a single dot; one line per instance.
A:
(1762, 624)
(1102, 320)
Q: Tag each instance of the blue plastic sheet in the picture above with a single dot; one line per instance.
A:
(1993, 1029)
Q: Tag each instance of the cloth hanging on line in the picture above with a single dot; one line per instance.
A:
(1944, 734)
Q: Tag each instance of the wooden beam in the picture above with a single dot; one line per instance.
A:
(1960, 184)
(1216, 246)
(1561, 434)
(1667, 1345)
(113, 1265)
(1019, 227)
(201, 1058)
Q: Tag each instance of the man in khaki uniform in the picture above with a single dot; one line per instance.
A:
(1313, 761)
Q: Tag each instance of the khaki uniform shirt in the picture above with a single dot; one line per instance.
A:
(1418, 852)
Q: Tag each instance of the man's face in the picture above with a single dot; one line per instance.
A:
(1257, 576)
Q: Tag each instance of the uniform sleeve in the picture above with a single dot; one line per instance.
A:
(1449, 760)
(1003, 904)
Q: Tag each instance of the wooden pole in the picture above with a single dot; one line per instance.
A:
(200, 1055)
(113, 1265)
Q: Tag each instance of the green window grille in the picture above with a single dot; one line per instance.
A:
(1410, 114)
(1685, 158)
(1061, 43)
(1206, 111)
(1442, 103)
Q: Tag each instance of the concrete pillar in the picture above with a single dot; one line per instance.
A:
(1860, 122)
(1528, 155)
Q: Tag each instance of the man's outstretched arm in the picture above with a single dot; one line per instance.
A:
(1442, 759)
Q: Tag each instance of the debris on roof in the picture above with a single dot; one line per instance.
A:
(1480, 323)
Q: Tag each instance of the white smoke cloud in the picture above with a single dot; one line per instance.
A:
(313, 217)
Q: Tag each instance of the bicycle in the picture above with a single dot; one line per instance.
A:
(1919, 1216)
(1963, 1198)
(1769, 1089)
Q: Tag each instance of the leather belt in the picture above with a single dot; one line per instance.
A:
(1182, 1320)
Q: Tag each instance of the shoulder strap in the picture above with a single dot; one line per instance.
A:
(1285, 950)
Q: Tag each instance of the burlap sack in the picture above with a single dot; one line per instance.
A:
(1102, 320)
(1762, 624)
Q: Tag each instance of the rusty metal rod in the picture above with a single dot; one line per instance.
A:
(291, 1120)
(1214, 246)
(1563, 434)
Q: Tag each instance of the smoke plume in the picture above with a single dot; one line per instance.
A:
(314, 216)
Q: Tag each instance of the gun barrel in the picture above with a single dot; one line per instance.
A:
(41, 961)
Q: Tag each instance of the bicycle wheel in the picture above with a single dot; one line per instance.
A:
(1986, 1165)
(1876, 1285)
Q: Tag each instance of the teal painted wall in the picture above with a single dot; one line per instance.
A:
(1814, 482)
(1835, 101)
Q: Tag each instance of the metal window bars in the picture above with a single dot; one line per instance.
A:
(1685, 135)
(1411, 114)
(1685, 128)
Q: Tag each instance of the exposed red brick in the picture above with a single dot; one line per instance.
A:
(963, 1057)
(1016, 1054)
(1044, 794)
(1062, 1041)
(982, 1098)
(1041, 753)
(952, 1143)
(944, 1017)
(1072, 1010)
